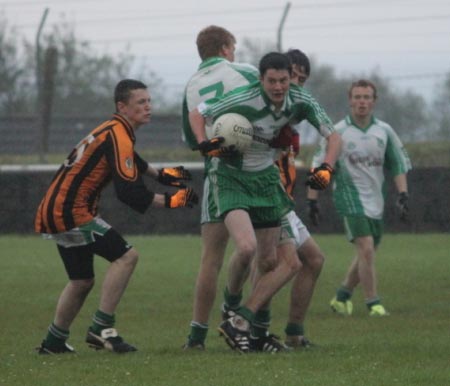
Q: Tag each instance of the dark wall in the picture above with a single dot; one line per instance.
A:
(21, 192)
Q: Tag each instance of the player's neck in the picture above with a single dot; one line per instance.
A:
(362, 121)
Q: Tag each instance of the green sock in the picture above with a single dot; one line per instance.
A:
(261, 323)
(100, 321)
(56, 336)
(231, 300)
(294, 329)
(198, 332)
(246, 314)
(343, 294)
(372, 302)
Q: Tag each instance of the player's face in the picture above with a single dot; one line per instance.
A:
(299, 75)
(362, 102)
(276, 84)
(138, 109)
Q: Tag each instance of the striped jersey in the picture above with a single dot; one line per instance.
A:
(358, 188)
(252, 102)
(215, 77)
(106, 154)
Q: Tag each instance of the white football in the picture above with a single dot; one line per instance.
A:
(235, 128)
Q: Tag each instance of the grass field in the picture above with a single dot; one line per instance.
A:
(411, 347)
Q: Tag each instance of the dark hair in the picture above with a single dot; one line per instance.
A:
(299, 58)
(210, 41)
(276, 61)
(124, 87)
(363, 83)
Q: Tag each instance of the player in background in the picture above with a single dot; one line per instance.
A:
(250, 196)
(68, 214)
(216, 75)
(369, 146)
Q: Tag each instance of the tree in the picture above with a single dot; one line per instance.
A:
(441, 110)
(14, 80)
(85, 78)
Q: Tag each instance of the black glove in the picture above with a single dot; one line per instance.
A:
(402, 206)
(181, 198)
(212, 148)
(313, 211)
(319, 178)
(174, 176)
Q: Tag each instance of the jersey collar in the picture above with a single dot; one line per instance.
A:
(126, 124)
(352, 122)
(211, 61)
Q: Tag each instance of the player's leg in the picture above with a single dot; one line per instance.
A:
(123, 258)
(71, 300)
(365, 252)
(78, 262)
(214, 242)
(273, 276)
(242, 233)
(116, 281)
(288, 264)
(236, 332)
(365, 234)
(302, 291)
(368, 276)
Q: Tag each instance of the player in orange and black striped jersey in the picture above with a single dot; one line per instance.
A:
(68, 214)
(286, 161)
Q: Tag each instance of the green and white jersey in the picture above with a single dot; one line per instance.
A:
(358, 187)
(252, 102)
(215, 77)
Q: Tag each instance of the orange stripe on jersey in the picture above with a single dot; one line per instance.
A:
(106, 153)
(288, 172)
(124, 154)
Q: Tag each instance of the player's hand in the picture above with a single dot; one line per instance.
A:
(313, 211)
(319, 178)
(212, 148)
(174, 176)
(283, 139)
(180, 199)
(402, 206)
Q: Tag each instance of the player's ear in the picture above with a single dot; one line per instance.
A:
(120, 106)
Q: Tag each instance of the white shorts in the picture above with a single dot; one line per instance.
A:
(82, 235)
(293, 230)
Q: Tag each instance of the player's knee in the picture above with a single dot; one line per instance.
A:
(316, 262)
(246, 249)
(294, 265)
(267, 264)
(83, 286)
(131, 257)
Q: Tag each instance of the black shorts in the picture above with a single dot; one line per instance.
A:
(79, 260)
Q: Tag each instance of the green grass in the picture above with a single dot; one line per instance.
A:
(411, 347)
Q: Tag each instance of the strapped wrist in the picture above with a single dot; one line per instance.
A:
(328, 167)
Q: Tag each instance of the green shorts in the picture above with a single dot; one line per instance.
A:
(260, 193)
(209, 212)
(360, 226)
